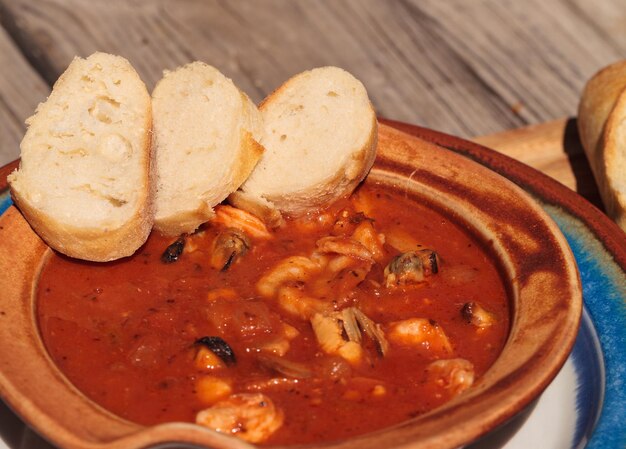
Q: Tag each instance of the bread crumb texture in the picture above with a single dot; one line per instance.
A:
(83, 153)
(320, 140)
(206, 136)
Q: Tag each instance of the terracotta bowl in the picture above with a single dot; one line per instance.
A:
(540, 270)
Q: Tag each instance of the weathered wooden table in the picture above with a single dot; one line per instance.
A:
(469, 68)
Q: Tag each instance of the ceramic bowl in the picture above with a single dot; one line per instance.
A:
(537, 264)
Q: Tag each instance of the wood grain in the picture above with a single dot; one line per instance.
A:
(21, 89)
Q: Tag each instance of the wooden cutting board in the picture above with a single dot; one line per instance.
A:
(552, 148)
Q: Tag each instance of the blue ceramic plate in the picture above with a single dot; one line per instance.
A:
(584, 405)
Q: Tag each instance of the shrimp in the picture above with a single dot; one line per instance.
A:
(454, 375)
(345, 246)
(338, 265)
(341, 275)
(231, 217)
(420, 332)
(253, 417)
(295, 302)
(347, 269)
(367, 236)
(292, 269)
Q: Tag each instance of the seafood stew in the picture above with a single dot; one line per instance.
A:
(367, 314)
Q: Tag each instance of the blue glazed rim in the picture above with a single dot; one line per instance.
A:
(599, 247)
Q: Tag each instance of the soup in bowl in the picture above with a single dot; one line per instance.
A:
(427, 308)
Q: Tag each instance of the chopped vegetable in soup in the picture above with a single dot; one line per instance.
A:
(336, 324)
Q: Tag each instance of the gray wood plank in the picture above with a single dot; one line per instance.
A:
(21, 89)
(467, 68)
(535, 54)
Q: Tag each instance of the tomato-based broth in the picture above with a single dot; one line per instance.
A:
(333, 325)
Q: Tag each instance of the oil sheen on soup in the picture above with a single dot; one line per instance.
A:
(339, 323)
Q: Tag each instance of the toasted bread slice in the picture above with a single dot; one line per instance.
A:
(206, 138)
(84, 179)
(320, 141)
(602, 128)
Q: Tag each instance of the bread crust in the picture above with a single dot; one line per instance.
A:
(602, 129)
(95, 243)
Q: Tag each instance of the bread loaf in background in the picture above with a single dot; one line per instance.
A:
(320, 140)
(84, 178)
(602, 128)
(206, 139)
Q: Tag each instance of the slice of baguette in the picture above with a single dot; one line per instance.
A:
(320, 140)
(206, 137)
(83, 181)
(602, 128)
